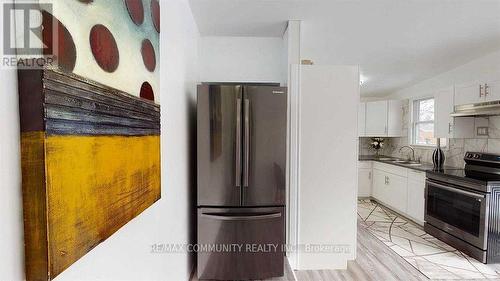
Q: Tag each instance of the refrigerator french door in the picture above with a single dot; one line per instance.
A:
(241, 154)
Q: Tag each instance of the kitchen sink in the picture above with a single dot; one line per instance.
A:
(413, 164)
(405, 162)
(409, 163)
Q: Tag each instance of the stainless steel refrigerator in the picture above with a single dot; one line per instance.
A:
(241, 151)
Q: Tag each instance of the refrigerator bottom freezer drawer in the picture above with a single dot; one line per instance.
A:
(240, 243)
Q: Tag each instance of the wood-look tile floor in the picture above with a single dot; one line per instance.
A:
(375, 261)
(434, 258)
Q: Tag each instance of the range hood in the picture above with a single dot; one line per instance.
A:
(477, 109)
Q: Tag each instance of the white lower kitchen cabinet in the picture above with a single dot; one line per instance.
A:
(364, 179)
(379, 186)
(398, 188)
(397, 192)
(416, 196)
(390, 188)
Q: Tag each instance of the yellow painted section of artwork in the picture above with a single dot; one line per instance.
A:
(95, 185)
(34, 205)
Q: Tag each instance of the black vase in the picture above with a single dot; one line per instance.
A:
(438, 156)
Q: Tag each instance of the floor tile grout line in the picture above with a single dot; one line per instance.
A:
(380, 229)
(464, 269)
(465, 257)
(370, 213)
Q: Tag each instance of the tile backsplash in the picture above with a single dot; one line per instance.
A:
(455, 150)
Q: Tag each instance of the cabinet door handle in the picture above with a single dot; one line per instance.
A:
(480, 91)
(486, 90)
(369, 175)
(449, 128)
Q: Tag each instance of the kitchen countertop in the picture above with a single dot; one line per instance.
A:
(383, 159)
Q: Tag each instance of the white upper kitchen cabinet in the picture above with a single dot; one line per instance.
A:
(477, 91)
(395, 118)
(492, 90)
(443, 107)
(362, 119)
(470, 92)
(376, 119)
(445, 125)
(384, 118)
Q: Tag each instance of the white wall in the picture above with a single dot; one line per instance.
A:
(483, 68)
(242, 59)
(11, 216)
(125, 255)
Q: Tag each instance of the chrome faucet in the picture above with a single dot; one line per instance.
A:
(412, 151)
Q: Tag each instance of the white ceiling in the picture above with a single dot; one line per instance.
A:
(397, 43)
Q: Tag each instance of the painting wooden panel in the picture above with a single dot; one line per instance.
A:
(90, 128)
(90, 164)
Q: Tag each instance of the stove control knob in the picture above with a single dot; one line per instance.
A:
(476, 156)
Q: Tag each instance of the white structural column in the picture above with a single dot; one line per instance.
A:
(291, 39)
(323, 165)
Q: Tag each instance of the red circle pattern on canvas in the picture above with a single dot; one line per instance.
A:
(66, 50)
(148, 55)
(135, 10)
(147, 91)
(155, 14)
(104, 48)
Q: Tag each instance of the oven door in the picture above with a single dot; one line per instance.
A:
(458, 212)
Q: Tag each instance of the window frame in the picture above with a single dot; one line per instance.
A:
(415, 114)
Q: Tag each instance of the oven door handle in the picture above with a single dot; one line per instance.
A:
(467, 193)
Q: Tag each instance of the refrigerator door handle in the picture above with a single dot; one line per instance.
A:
(247, 143)
(228, 217)
(238, 143)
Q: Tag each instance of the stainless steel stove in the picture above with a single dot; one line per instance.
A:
(462, 206)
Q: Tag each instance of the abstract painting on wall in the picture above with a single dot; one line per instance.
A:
(90, 129)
